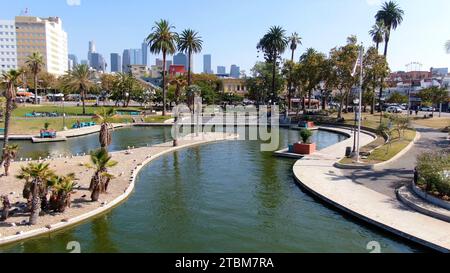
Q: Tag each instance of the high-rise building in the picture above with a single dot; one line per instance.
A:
(221, 70)
(116, 62)
(74, 59)
(98, 62)
(8, 45)
(136, 56)
(91, 50)
(144, 53)
(180, 59)
(45, 36)
(126, 61)
(159, 63)
(207, 68)
(235, 71)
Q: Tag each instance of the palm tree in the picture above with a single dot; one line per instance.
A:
(62, 189)
(101, 178)
(180, 83)
(6, 207)
(37, 176)
(35, 62)
(79, 80)
(9, 154)
(294, 41)
(273, 44)
(163, 40)
(392, 16)
(10, 79)
(105, 118)
(190, 42)
(377, 33)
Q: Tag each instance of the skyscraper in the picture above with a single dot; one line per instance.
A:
(159, 63)
(98, 62)
(207, 64)
(136, 56)
(126, 61)
(235, 71)
(180, 59)
(90, 51)
(221, 70)
(144, 53)
(74, 59)
(116, 62)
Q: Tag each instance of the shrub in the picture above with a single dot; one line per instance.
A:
(306, 134)
(433, 172)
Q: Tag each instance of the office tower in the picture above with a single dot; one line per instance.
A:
(70, 65)
(221, 70)
(126, 61)
(159, 63)
(91, 50)
(235, 71)
(43, 35)
(8, 50)
(74, 59)
(98, 62)
(180, 59)
(116, 62)
(144, 53)
(207, 64)
(135, 56)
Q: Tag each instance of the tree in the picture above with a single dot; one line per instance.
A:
(35, 62)
(36, 176)
(180, 83)
(375, 69)
(101, 161)
(62, 189)
(191, 92)
(273, 44)
(105, 118)
(163, 40)
(312, 63)
(434, 96)
(377, 33)
(191, 43)
(6, 207)
(260, 83)
(392, 16)
(79, 80)
(397, 98)
(10, 79)
(294, 41)
(9, 153)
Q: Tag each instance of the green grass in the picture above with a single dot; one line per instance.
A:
(389, 150)
(21, 111)
(436, 123)
(157, 119)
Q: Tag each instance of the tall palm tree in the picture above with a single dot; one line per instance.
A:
(190, 42)
(180, 83)
(35, 62)
(62, 189)
(105, 118)
(294, 41)
(11, 79)
(37, 176)
(101, 161)
(377, 33)
(392, 17)
(79, 80)
(10, 153)
(163, 40)
(273, 44)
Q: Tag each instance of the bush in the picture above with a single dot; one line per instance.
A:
(306, 134)
(433, 169)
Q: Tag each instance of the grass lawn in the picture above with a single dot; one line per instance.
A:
(368, 120)
(69, 110)
(156, 119)
(436, 123)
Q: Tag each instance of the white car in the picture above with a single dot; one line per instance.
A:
(394, 109)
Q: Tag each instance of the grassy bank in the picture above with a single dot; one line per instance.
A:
(22, 110)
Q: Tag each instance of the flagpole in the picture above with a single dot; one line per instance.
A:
(360, 103)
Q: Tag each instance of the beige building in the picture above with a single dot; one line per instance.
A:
(140, 71)
(235, 86)
(46, 36)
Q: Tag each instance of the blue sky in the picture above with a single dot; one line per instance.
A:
(232, 28)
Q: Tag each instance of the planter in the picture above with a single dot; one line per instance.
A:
(306, 124)
(304, 149)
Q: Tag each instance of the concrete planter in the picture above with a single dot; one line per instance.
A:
(305, 149)
(430, 198)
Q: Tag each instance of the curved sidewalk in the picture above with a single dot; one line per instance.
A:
(317, 174)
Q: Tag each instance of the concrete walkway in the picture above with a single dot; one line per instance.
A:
(370, 195)
(130, 163)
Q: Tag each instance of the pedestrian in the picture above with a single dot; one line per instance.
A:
(416, 176)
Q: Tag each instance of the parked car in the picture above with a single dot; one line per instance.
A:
(427, 109)
(394, 109)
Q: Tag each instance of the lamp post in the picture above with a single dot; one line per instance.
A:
(64, 115)
(355, 103)
(358, 146)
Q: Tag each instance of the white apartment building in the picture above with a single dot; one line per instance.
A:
(25, 35)
(8, 46)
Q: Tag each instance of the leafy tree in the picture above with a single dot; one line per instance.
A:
(260, 83)
(397, 98)
(434, 96)
(312, 63)
(273, 44)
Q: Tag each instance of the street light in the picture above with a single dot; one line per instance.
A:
(355, 103)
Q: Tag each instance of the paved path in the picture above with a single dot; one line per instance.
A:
(401, 171)
(376, 204)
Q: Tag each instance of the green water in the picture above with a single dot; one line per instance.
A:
(224, 197)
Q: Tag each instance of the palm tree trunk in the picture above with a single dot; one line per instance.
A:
(290, 84)
(372, 108)
(35, 89)
(7, 122)
(189, 68)
(386, 45)
(274, 71)
(7, 165)
(83, 99)
(164, 83)
(309, 99)
(35, 205)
